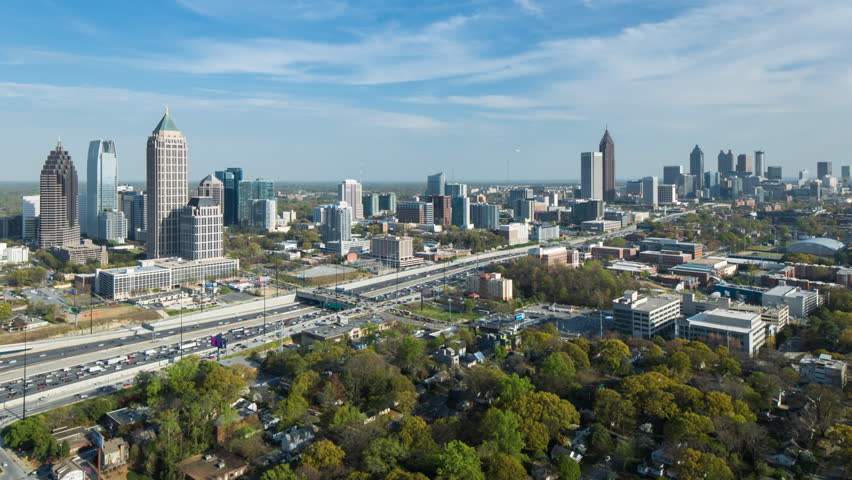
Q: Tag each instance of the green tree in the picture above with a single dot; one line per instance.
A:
(512, 387)
(383, 455)
(689, 427)
(279, 472)
(501, 428)
(459, 462)
(5, 311)
(600, 439)
(538, 410)
(568, 468)
(323, 455)
(344, 416)
(613, 410)
(505, 467)
(291, 409)
(695, 465)
(415, 434)
(555, 374)
(611, 353)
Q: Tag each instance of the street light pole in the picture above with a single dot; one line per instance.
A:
(264, 309)
(181, 327)
(91, 310)
(24, 413)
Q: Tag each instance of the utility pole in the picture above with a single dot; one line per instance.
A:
(91, 309)
(181, 328)
(264, 309)
(24, 413)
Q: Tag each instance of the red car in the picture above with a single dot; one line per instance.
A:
(126, 385)
(42, 387)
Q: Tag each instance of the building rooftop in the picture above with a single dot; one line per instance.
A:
(126, 416)
(725, 319)
(166, 124)
(211, 466)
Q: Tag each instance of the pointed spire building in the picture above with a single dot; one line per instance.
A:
(607, 149)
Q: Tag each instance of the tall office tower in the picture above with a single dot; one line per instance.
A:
(133, 205)
(671, 173)
(442, 208)
(726, 163)
(760, 163)
(31, 208)
(524, 210)
(455, 190)
(696, 166)
(319, 214)
(823, 169)
(168, 188)
(387, 202)
(415, 212)
(212, 187)
(461, 211)
(435, 184)
(200, 227)
(337, 226)
(483, 215)
(263, 215)
(649, 191)
(101, 184)
(349, 191)
(112, 226)
(686, 185)
(249, 191)
(82, 203)
(607, 151)
(634, 188)
(773, 173)
(370, 203)
(59, 222)
(230, 178)
(591, 175)
(744, 167)
(844, 173)
(666, 194)
(519, 194)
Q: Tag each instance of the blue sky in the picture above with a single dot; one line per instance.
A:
(391, 90)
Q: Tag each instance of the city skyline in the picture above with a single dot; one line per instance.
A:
(454, 92)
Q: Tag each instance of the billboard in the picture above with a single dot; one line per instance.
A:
(519, 316)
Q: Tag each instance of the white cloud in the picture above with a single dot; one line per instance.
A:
(483, 101)
(529, 6)
(534, 115)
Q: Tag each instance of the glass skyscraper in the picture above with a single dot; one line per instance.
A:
(101, 184)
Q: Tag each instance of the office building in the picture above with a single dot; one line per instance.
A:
(337, 225)
(163, 274)
(415, 212)
(200, 229)
(349, 191)
(737, 330)
(59, 220)
(650, 191)
(544, 231)
(461, 211)
(524, 210)
(824, 169)
(671, 173)
(801, 302)
(435, 184)
(491, 286)
(555, 255)
(395, 252)
(13, 255)
(442, 209)
(251, 190)
(486, 216)
(607, 182)
(591, 175)
(230, 178)
(583, 211)
(81, 252)
(31, 209)
(370, 202)
(514, 233)
(686, 186)
(760, 163)
(263, 215)
(634, 188)
(168, 188)
(387, 202)
(744, 165)
(696, 166)
(133, 204)
(10, 227)
(773, 173)
(101, 185)
(600, 226)
(696, 250)
(666, 194)
(519, 194)
(212, 187)
(726, 163)
(455, 189)
(112, 226)
(645, 316)
(823, 370)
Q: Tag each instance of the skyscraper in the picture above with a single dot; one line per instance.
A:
(337, 226)
(31, 208)
(249, 191)
(231, 178)
(591, 175)
(823, 169)
(101, 184)
(435, 184)
(607, 150)
(671, 173)
(744, 167)
(844, 173)
(696, 166)
(200, 229)
(760, 163)
(212, 187)
(773, 173)
(650, 191)
(349, 191)
(726, 163)
(455, 189)
(133, 204)
(370, 203)
(461, 211)
(442, 209)
(59, 220)
(387, 202)
(168, 189)
(486, 216)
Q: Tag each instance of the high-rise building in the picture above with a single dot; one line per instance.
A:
(168, 188)
(251, 190)
(486, 216)
(212, 187)
(435, 184)
(101, 185)
(634, 188)
(387, 202)
(349, 191)
(263, 213)
(59, 220)
(396, 252)
(823, 169)
(744, 167)
(112, 226)
(607, 151)
(200, 228)
(583, 211)
(773, 173)
(591, 175)
(415, 212)
(455, 189)
(442, 209)
(760, 163)
(31, 208)
(337, 226)
(461, 211)
(666, 194)
(231, 178)
(133, 204)
(650, 191)
(844, 173)
(686, 185)
(524, 210)
(82, 203)
(726, 163)
(671, 173)
(696, 166)
(370, 202)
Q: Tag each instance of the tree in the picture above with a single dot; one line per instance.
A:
(512, 387)
(279, 472)
(613, 410)
(611, 353)
(505, 467)
(291, 409)
(577, 354)
(398, 474)
(459, 461)
(695, 465)
(689, 427)
(344, 416)
(600, 440)
(501, 428)
(556, 373)
(383, 454)
(543, 412)
(323, 455)
(415, 434)
(568, 468)
(5, 311)
(410, 354)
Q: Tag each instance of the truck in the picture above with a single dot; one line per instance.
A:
(95, 369)
(150, 352)
(187, 345)
(118, 359)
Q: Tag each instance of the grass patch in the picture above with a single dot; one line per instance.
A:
(172, 313)
(260, 348)
(325, 279)
(433, 312)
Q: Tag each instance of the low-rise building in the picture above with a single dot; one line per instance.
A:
(600, 226)
(13, 255)
(657, 244)
(116, 451)
(823, 370)
(345, 328)
(664, 258)
(76, 437)
(81, 253)
(644, 316)
(166, 274)
(601, 251)
(704, 269)
(555, 255)
(738, 330)
(446, 356)
(635, 269)
(68, 469)
(490, 285)
(219, 465)
(801, 302)
(296, 438)
(514, 233)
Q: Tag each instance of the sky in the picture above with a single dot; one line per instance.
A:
(393, 90)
